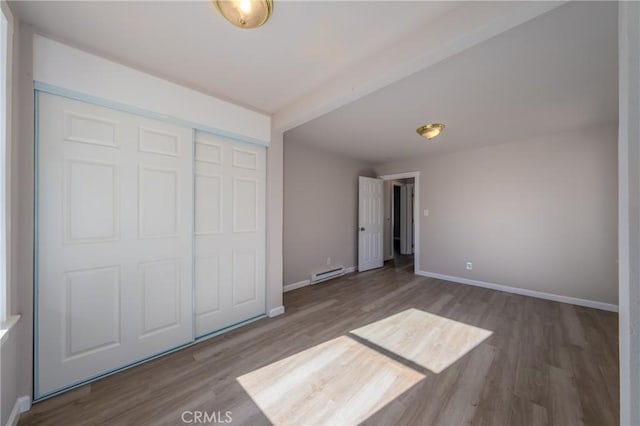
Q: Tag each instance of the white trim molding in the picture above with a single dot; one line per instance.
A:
(279, 310)
(523, 291)
(22, 405)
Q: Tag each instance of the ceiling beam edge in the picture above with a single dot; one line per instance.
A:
(457, 31)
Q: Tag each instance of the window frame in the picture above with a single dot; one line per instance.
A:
(6, 80)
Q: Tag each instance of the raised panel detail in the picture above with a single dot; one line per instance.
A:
(208, 152)
(158, 142)
(160, 284)
(158, 202)
(245, 205)
(90, 202)
(92, 130)
(245, 159)
(92, 311)
(244, 276)
(208, 204)
(207, 275)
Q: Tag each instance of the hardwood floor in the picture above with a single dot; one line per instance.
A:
(382, 347)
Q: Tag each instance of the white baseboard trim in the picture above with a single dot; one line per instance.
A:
(350, 269)
(523, 291)
(15, 414)
(294, 286)
(22, 405)
(25, 403)
(279, 310)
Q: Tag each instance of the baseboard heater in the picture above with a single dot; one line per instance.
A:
(335, 271)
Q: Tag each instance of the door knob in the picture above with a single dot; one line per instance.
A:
(362, 228)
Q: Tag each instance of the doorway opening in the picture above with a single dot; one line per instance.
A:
(401, 235)
(395, 218)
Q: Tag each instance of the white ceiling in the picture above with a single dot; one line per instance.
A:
(555, 73)
(303, 45)
(361, 76)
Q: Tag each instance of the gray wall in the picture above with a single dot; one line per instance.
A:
(23, 198)
(275, 190)
(538, 214)
(17, 351)
(320, 210)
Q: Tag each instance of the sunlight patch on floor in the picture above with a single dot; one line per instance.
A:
(431, 341)
(340, 381)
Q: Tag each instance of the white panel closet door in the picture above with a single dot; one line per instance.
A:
(115, 203)
(229, 232)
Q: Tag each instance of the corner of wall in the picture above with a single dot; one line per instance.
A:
(22, 185)
(275, 206)
(629, 202)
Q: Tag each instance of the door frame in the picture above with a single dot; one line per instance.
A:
(417, 241)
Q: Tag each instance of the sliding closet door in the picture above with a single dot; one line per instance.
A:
(115, 205)
(229, 232)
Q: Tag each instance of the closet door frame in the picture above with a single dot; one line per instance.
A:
(105, 103)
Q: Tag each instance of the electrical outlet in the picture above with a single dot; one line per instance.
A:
(469, 266)
(328, 261)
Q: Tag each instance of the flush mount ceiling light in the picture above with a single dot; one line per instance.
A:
(431, 130)
(245, 13)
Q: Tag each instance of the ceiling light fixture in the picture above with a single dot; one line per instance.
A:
(245, 13)
(431, 130)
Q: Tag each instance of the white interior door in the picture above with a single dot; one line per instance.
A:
(370, 232)
(114, 253)
(229, 231)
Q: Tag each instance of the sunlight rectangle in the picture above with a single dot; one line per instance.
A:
(340, 381)
(431, 341)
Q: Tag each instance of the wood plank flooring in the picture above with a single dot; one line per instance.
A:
(382, 347)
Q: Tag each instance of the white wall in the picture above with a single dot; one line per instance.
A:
(629, 219)
(320, 210)
(537, 215)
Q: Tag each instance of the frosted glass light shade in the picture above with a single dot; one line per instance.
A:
(245, 13)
